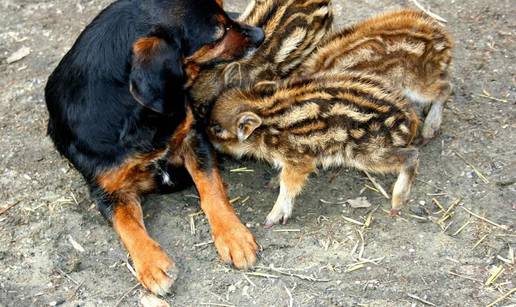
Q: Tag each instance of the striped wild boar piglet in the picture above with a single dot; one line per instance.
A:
(332, 120)
(292, 29)
(408, 49)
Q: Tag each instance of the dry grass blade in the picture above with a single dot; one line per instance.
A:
(479, 173)
(462, 228)
(303, 277)
(286, 230)
(447, 213)
(504, 227)
(4, 210)
(369, 219)
(492, 98)
(231, 201)
(438, 204)
(216, 304)
(259, 274)
(354, 266)
(433, 15)
(291, 299)
(352, 221)
(249, 281)
(203, 244)
(377, 186)
(480, 241)
(503, 297)
(192, 225)
(67, 276)
(327, 202)
(421, 300)
(464, 276)
(121, 299)
(494, 275)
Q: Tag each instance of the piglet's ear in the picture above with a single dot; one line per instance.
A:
(157, 75)
(247, 122)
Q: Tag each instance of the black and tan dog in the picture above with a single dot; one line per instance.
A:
(119, 112)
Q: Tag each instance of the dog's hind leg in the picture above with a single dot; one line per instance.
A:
(116, 192)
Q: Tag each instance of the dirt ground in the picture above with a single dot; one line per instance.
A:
(312, 261)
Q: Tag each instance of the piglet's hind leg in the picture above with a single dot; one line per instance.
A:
(408, 170)
(292, 181)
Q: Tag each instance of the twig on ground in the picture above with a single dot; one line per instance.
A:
(492, 98)
(192, 225)
(428, 12)
(348, 219)
(421, 300)
(447, 214)
(286, 230)
(291, 299)
(433, 186)
(249, 281)
(504, 227)
(475, 169)
(494, 275)
(462, 228)
(258, 274)
(4, 210)
(501, 298)
(438, 204)
(376, 185)
(121, 299)
(464, 276)
(479, 241)
(67, 276)
(303, 277)
(203, 244)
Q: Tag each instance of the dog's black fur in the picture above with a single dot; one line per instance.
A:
(119, 111)
(95, 120)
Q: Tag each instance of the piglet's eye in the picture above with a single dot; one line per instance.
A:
(216, 129)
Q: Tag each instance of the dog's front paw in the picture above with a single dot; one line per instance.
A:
(235, 244)
(154, 269)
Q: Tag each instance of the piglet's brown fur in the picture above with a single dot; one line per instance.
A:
(342, 119)
(292, 29)
(409, 50)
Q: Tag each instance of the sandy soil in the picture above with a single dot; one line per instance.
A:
(316, 253)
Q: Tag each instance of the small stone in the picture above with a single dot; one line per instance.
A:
(18, 55)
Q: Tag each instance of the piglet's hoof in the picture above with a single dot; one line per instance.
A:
(394, 212)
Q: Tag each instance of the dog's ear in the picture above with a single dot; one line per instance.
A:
(157, 75)
(247, 122)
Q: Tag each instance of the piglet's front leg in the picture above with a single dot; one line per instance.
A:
(292, 181)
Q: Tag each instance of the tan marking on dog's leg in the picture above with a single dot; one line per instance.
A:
(153, 267)
(234, 242)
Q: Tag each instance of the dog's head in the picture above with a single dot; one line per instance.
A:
(186, 35)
